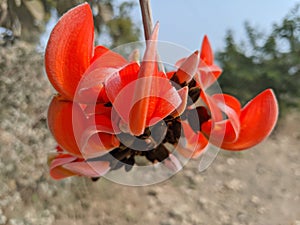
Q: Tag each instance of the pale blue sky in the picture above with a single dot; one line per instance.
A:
(186, 21)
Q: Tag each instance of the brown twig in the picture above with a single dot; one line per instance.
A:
(147, 18)
(148, 25)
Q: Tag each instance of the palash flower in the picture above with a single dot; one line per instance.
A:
(109, 110)
(242, 128)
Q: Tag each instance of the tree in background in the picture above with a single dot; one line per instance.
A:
(266, 60)
(27, 18)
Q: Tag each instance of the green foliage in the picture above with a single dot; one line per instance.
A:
(266, 61)
(27, 18)
(122, 29)
(110, 19)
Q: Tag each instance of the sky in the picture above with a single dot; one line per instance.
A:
(185, 22)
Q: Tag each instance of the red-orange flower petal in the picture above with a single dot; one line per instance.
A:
(208, 71)
(194, 144)
(206, 54)
(57, 172)
(232, 108)
(184, 94)
(88, 169)
(188, 68)
(258, 118)
(99, 136)
(105, 65)
(60, 123)
(70, 49)
(141, 98)
(154, 97)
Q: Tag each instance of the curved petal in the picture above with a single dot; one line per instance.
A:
(143, 88)
(258, 118)
(209, 72)
(98, 138)
(180, 62)
(188, 68)
(183, 93)
(170, 74)
(115, 83)
(99, 144)
(60, 123)
(232, 108)
(215, 112)
(69, 49)
(98, 52)
(206, 54)
(101, 109)
(103, 67)
(219, 132)
(57, 172)
(193, 144)
(163, 101)
(88, 169)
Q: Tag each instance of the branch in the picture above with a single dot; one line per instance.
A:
(147, 18)
(148, 25)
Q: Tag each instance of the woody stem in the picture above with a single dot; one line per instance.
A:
(147, 17)
(148, 25)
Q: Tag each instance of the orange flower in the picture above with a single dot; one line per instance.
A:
(242, 128)
(70, 54)
(109, 110)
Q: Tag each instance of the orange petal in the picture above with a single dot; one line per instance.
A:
(57, 172)
(60, 123)
(232, 108)
(207, 74)
(206, 54)
(99, 144)
(225, 101)
(216, 113)
(98, 52)
(107, 63)
(258, 118)
(98, 138)
(69, 50)
(208, 71)
(188, 68)
(219, 132)
(180, 62)
(91, 110)
(193, 144)
(170, 74)
(163, 102)
(143, 88)
(183, 93)
(115, 83)
(89, 169)
(120, 89)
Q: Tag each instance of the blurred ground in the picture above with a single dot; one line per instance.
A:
(260, 186)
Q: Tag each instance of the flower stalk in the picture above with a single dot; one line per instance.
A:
(147, 18)
(148, 25)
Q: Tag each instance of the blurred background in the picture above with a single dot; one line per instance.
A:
(256, 50)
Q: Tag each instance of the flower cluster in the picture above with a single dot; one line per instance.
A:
(110, 110)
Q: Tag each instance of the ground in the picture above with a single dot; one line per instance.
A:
(260, 186)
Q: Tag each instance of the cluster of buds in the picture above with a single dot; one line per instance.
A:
(110, 110)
